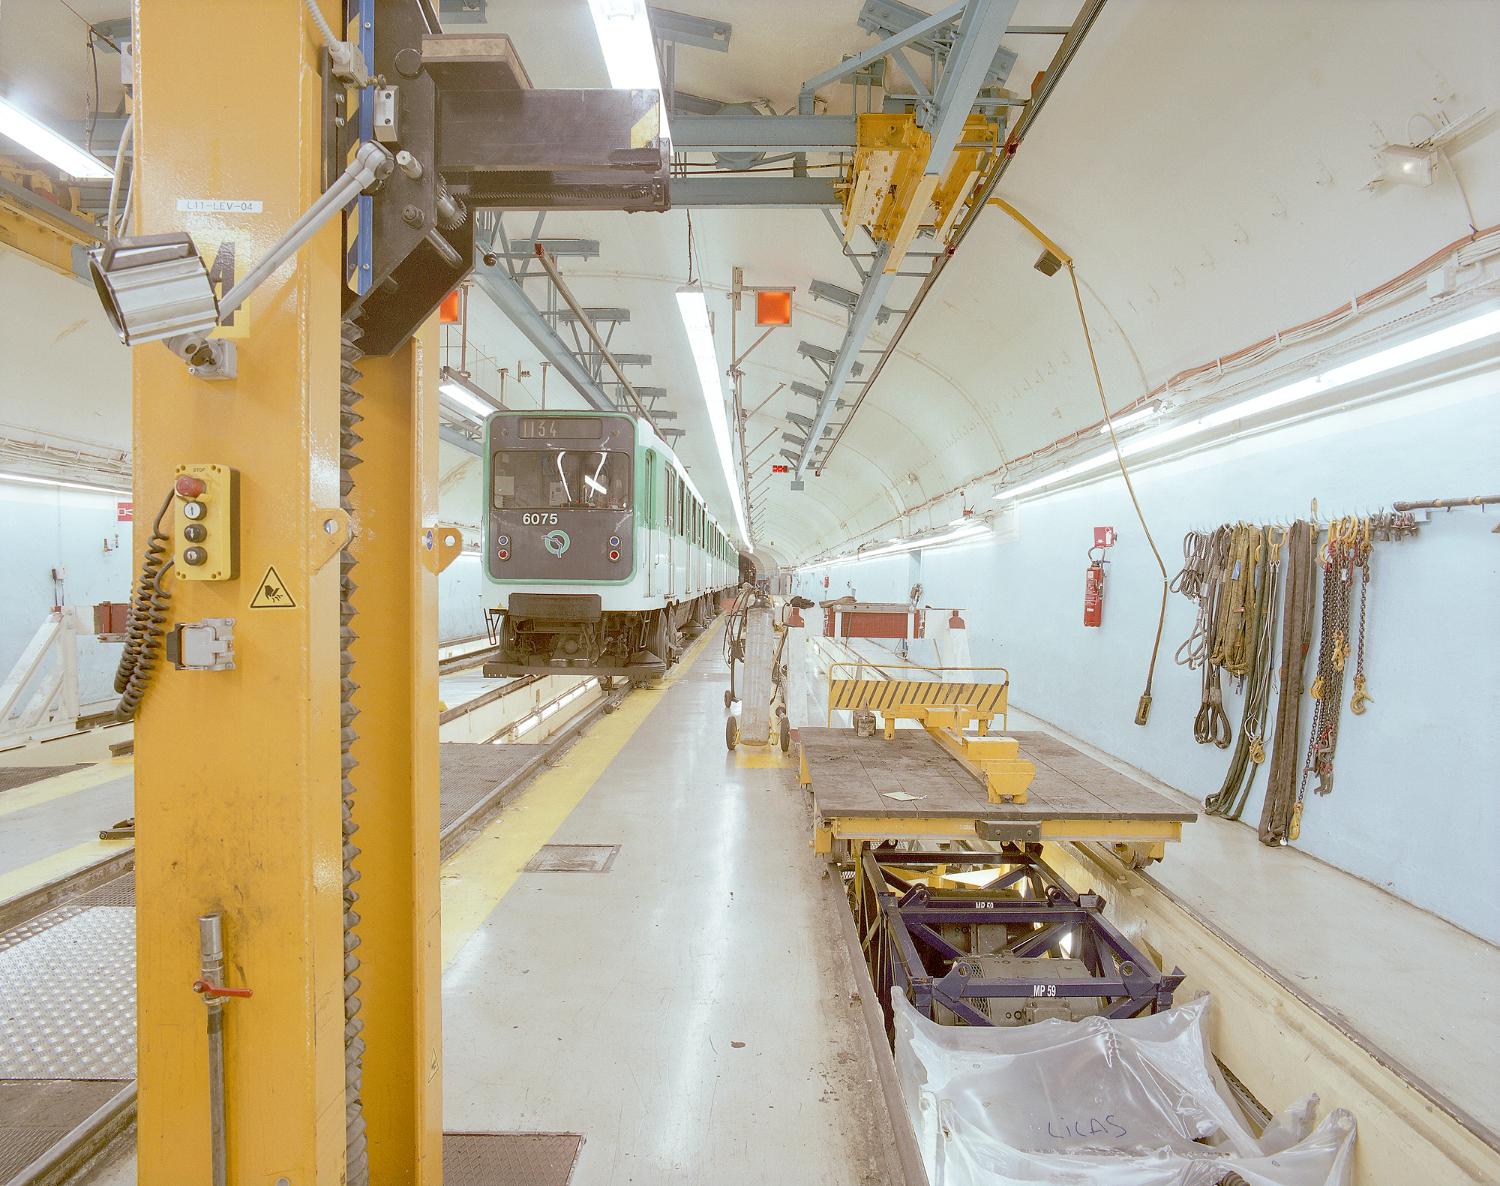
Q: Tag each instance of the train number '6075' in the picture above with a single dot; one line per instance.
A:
(538, 519)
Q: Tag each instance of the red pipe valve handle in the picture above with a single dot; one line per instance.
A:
(208, 989)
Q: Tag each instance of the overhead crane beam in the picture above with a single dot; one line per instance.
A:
(1088, 13)
(712, 191)
(970, 60)
(511, 300)
(765, 133)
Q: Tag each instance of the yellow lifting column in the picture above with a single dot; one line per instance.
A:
(238, 771)
(395, 665)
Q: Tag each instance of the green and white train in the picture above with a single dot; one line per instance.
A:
(597, 545)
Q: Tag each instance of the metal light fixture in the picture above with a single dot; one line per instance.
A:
(57, 150)
(692, 304)
(1406, 164)
(62, 483)
(459, 392)
(1452, 337)
(629, 47)
(969, 531)
(1129, 420)
(154, 287)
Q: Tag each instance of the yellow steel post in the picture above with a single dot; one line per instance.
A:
(237, 772)
(395, 664)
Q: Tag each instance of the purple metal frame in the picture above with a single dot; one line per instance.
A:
(897, 923)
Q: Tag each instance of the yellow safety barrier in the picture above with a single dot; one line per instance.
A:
(944, 708)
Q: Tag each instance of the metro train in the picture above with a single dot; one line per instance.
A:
(597, 545)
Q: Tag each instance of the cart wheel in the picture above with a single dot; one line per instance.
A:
(728, 697)
(732, 732)
(786, 736)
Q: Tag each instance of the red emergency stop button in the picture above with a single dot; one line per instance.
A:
(190, 487)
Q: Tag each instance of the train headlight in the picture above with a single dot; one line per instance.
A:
(614, 541)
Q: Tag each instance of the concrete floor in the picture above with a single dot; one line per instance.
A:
(51, 828)
(690, 1010)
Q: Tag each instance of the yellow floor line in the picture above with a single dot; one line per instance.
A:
(62, 784)
(59, 864)
(476, 877)
(763, 758)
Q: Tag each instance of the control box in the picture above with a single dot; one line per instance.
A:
(206, 523)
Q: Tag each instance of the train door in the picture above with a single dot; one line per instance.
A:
(673, 486)
(646, 516)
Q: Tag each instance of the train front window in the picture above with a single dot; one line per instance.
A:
(551, 479)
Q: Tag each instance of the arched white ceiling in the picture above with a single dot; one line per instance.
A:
(1205, 161)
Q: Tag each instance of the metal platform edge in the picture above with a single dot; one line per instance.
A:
(48, 896)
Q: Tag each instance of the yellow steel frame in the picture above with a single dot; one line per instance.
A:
(49, 241)
(891, 194)
(238, 772)
(944, 708)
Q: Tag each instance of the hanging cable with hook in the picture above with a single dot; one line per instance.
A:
(1143, 709)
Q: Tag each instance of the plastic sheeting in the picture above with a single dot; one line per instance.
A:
(1097, 1103)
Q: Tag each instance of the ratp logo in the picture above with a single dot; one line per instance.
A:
(557, 541)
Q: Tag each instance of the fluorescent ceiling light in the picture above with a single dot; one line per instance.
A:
(629, 47)
(957, 535)
(1129, 420)
(31, 480)
(47, 144)
(1451, 337)
(459, 392)
(692, 304)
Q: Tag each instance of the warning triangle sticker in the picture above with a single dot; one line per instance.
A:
(272, 592)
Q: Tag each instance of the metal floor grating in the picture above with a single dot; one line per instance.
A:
(35, 1114)
(573, 858)
(67, 997)
(509, 1158)
(119, 892)
(15, 777)
(472, 771)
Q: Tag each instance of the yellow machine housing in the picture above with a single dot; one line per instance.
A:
(889, 194)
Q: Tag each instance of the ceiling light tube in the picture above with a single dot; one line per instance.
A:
(958, 535)
(692, 304)
(57, 150)
(1129, 420)
(463, 395)
(1452, 337)
(32, 480)
(629, 47)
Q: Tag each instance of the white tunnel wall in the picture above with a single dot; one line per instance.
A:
(1414, 784)
(43, 529)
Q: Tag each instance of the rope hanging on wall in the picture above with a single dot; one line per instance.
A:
(1301, 600)
(1257, 639)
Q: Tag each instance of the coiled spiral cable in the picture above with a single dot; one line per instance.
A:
(145, 627)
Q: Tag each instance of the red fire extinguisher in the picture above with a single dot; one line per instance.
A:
(1093, 589)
